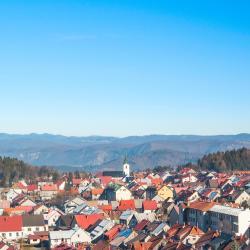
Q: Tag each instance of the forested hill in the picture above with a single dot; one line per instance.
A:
(226, 161)
(12, 170)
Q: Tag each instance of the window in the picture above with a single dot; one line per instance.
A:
(37, 228)
(10, 234)
(17, 234)
(29, 229)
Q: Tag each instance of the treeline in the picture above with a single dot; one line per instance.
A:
(224, 161)
(12, 170)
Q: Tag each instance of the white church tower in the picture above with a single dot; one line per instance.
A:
(126, 168)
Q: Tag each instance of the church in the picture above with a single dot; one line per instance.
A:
(119, 174)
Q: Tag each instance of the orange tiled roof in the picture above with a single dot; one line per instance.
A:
(156, 181)
(113, 232)
(149, 205)
(106, 208)
(202, 205)
(85, 221)
(11, 223)
(49, 187)
(196, 231)
(26, 209)
(126, 205)
(97, 191)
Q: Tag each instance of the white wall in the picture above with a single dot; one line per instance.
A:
(244, 222)
(123, 194)
(30, 230)
(9, 236)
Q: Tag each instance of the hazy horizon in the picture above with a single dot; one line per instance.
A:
(117, 136)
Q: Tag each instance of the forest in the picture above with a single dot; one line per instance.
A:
(227, 161)
(12, 170)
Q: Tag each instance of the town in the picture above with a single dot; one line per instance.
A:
(163, 209)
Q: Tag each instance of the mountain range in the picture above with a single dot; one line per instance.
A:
(95, 153)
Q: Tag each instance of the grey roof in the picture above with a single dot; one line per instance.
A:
(65, 220)
(58, 235)
(117, 241)
(226, 210)
(126, 215)
(33, 220)
(144, 216)
(85, 209)
(138, 203)
(79, 208)
(76, 200)
(139, 237)
(101, 228)
(113, 173)
(159, 229)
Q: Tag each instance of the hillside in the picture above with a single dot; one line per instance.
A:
(226, 161)
(96, 152)
(12, 170)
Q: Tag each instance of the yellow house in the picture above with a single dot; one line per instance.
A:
(165, 192)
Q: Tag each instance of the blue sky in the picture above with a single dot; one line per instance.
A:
(125, 67)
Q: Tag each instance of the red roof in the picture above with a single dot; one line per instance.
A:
(97, 191)
(49, 187)
(20, 185)
(140, 226)
(77, 181)
(149, 205)
(179, 189)
(201, 205)
(11, 223)
(106, 208)
(156, 181)
(85, 221)
(26, 209)
(105, 180)
(173, 230)
(113, 232)
(32, 187)
(126, 205)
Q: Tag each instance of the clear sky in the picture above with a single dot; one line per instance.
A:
(125, 67)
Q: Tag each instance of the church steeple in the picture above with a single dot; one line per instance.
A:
(126, 167)
(125, 159)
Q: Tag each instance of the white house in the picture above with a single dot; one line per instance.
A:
(27, 202)
(48, 191)
(61, 185)
(239, 197)
(11, 227)
(12, 194)
(33, 223)
(123, 193)
(229, 220)
(52, 216)
(40, 209)
(188, 178)
(71, 237)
